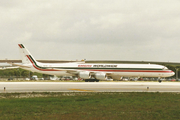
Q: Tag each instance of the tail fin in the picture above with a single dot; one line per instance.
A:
(26, 55)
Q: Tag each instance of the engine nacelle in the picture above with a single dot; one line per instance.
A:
(100, 76)
(85, 75)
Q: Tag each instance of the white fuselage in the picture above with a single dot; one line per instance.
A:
(124, 70)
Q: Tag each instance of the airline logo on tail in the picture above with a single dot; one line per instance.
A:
(21, 45)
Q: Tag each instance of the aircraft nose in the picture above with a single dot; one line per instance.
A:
(172, 73)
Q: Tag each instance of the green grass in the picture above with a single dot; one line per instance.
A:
(90, 106)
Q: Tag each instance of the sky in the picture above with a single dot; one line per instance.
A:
(133, 30)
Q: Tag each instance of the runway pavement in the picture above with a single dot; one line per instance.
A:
(6, 87)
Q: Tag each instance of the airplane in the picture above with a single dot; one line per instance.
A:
(92, 72)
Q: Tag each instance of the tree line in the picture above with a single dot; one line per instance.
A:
(18, 72)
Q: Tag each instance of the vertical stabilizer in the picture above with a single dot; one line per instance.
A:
(27, 58)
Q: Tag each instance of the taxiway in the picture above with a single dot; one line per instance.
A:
(89, 87)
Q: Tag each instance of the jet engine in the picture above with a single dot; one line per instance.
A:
(101, 76)
(85, 75)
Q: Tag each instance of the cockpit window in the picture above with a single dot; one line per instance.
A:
(165, 68)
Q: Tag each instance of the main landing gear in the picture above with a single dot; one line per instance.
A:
(159, 80)
(91, 80)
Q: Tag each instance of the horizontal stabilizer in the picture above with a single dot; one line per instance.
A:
(22, 66)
